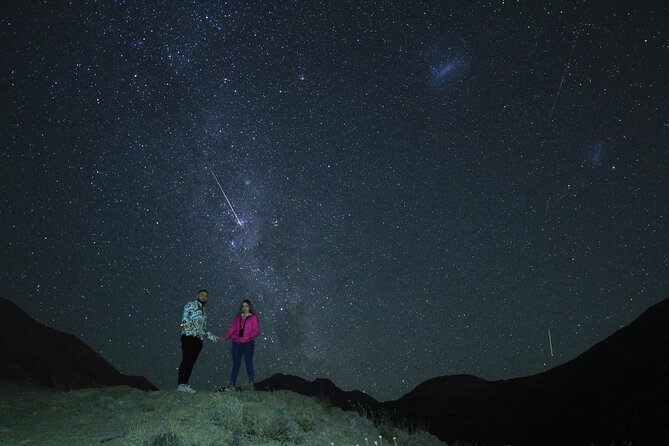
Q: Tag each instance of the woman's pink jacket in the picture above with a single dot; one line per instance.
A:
(251, 329)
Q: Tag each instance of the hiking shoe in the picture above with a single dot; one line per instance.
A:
(185, 388)
(248, 386)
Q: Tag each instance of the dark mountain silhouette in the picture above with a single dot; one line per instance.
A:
(615, 392)
(320, 388)
(32, 352)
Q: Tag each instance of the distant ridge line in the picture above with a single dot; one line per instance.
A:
(35, 353)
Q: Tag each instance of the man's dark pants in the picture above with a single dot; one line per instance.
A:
(190, 348)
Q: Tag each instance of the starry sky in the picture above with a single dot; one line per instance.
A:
(420, 188)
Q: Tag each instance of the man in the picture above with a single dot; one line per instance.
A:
(193, 332)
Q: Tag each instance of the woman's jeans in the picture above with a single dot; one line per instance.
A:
(239, 350)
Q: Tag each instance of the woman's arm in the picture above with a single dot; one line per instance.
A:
(231, 331)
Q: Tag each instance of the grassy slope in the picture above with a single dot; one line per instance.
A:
(125, 416)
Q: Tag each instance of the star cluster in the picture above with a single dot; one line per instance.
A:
(424, 188)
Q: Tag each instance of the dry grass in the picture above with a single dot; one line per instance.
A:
(124, 416)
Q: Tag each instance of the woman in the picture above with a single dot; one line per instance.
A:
(243, 330)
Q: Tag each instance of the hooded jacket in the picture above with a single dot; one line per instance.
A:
(250, 326)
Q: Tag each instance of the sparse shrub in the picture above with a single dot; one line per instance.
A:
(273, 427)
(305, 422)
(324, 401)
(412, 428)
(227, 413)
(165, 439)
(394, 432)
(280, 430)
(142, 435)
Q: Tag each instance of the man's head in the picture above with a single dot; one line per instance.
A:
(202, 296)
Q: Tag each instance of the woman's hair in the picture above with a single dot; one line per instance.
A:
(251, 309)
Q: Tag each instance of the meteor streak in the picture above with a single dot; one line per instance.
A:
(566, 68)
(226, 199)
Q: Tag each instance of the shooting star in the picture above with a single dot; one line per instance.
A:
(226, 199)
(550, 342)
(566, 68)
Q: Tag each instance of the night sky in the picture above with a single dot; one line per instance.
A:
(420, 188)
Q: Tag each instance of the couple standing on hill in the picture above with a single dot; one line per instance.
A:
(242, 332)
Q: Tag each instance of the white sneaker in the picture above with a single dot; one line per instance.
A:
(185, 388)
